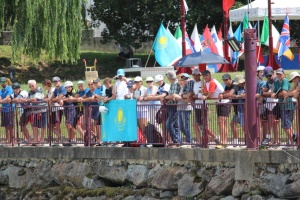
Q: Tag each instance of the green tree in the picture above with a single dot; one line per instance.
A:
(42, 26)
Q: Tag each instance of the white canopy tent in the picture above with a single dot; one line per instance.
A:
(259, 8)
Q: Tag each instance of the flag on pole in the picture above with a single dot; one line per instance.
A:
(284, 40)
(264, 38)
(186, 8)
(178, 36)
(166, 48)
(245, 23)
(230, 34)
(208, 45)
(188, 45)
(227, 4)
(196, 40)
(220, 33)
(238, 35)
(218, 42)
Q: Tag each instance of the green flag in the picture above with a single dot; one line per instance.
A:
(178, 36)
(265, 31)
(245, 23)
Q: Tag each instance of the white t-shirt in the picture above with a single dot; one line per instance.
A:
(122, 90)
(214, 86)
(196, 89)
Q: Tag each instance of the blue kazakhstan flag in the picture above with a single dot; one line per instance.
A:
(120, 122)
(167, 50)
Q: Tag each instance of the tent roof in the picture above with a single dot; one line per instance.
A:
(258, 9)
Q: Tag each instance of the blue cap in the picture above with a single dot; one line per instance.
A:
(130, 83)
(120, 72)
(185, 76)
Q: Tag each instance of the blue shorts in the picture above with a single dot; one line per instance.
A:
(239, 118)
(39, 120)
(95, 113)
(7, 119)
(70, 114)
(287, 118)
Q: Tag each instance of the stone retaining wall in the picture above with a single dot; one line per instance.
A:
(147, 173)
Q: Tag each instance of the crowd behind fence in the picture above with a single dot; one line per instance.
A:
(169, 125)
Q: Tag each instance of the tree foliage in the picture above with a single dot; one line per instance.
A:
(132, 21)
(52, 27)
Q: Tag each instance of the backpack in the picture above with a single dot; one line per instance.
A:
(152, 135)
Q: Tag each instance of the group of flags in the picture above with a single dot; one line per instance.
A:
(168, 47)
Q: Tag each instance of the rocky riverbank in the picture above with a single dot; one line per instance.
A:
(142, 179)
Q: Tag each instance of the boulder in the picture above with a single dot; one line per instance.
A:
(19, 177)
(221, 184)
(115, 173)
(137, 174)
(188, 186)
(167, 178)
(93, 182)
(42, 175)
(4, 179)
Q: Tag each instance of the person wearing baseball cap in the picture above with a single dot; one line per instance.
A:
(271, 112)
(211, 90)
(163, 89)
(57, 96)
(223, 110)
(121, 85)
(281, 91)
(6, 116)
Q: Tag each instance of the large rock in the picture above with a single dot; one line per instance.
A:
(242, 187)
(115, 173)
(93, 182)
(137, 174)
(19, 177)
(167, 178)
(189, 186)
(4, 179)
(42, 175)
(221, 184)
(282, 185)
(72, 173)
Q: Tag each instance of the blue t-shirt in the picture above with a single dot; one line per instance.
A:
(89, 94)
(83, 92)
(100, 91)
(7, 91)
(61, 90)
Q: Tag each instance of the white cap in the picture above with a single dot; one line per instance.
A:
(260, 68)
(149, 78)
(68, 84)
(158, 78)
(138, 79)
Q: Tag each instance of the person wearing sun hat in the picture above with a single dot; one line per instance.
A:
(281, 89)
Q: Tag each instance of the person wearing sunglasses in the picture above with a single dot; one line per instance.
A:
(272, 111)
(6, 114)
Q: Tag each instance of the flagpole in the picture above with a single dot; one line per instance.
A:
(271, 55)
(183, 70)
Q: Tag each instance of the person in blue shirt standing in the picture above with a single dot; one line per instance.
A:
(57, 96)
(7, 119)
(99, 95)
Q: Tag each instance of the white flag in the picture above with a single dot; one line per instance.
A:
(186, 8)
(195, 39)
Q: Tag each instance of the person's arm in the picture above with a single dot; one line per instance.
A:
(210, 91)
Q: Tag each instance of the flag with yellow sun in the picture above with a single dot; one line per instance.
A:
(120, 122)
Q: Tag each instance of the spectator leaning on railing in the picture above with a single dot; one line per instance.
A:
(172, 120)
(212, 88)
(6, 114)
(281, 88)
(39, 110)
(239, 94)
(142, 111)
(272, 108)
(121, 84)
(19, 98)
(223, 110)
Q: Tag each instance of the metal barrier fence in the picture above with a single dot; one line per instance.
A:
(200, 125)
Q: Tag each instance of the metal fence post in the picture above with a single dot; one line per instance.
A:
(205, 125)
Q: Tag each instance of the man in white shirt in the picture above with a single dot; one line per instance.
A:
(121, 86)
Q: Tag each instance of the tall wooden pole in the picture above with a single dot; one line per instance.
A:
(271, 55)
(183, 70)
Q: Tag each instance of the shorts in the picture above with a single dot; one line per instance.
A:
(39, 120)
(287, 118)
(95, 113)
(99, 119)
(70, 115)
(55, 116)
(142, 115)
(276, 112)
(199, 116)
(239, 118)
(7, 119)
(25, 117)
(223, 110)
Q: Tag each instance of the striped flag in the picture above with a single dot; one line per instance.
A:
(284, 40)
